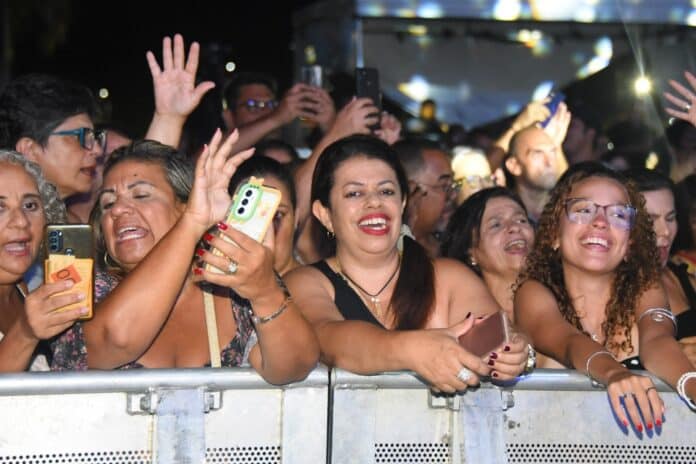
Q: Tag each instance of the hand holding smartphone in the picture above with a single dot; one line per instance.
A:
(367, 85)
(253, 207)
(70, 250)
(552, 105)
(486, 335)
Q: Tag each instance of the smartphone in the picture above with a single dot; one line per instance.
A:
(552, 105)
(486, 335)
(253, 207)
(367, 85)
(70, 252)
(70, 239)
(312, 75)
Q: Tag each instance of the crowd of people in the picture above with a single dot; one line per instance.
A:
(383, 252)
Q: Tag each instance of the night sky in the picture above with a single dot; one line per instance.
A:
(104, 46)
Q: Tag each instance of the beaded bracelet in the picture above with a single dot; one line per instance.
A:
(589, 359)
(281, 309)
(681, 388)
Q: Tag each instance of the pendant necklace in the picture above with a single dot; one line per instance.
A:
(374, 297)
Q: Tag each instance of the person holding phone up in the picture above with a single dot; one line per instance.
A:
(27, 203)
(152, 211)
(376, 308)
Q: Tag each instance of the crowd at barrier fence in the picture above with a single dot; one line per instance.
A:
(233, 416)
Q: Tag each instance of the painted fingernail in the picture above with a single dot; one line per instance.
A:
(507, 348)
(468, 315)
(639, 427)
(494, 355)
(625, 423)
(84, 310)
(222, 226)
(494, 374)
(649, 425)
(491, 362)
(207, 237)
(658, 422)
(198, 271)
(200, 252)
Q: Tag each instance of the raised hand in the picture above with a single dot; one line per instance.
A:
(557, 128)
(176, 94)
(209, 199)
(685, 101)
(323, 106)
(355, 118)
(40, 320)
(390, 128)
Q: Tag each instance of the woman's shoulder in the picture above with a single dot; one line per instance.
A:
(450, 267)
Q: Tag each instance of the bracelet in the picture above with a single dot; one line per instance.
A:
(659, 315)
(281, 309)
(531, 360)
(681, 388)
(591, 357)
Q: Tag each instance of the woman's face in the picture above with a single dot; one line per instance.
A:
(366, 206)
(660, 206)
(505, 238)
(595, 243)
(283, 225)
(22, 222)
(138, 208)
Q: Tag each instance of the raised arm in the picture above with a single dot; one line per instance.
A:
(176, 92)
(127, 321)
(365, 348)
(537, 314)
(684, 101)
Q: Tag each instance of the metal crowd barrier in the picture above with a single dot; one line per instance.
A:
(162, 416)
(233, 416)
(551, 416)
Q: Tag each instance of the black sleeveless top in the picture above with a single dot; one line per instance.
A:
(347, 301)
(686, 320)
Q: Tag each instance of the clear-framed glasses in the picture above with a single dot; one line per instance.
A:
(86, 136)
(446, 188)
(256, 105)
(583, 211)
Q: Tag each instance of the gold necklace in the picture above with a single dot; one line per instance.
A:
(374, 297)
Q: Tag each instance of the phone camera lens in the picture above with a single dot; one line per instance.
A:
(240, 211)
(248, 193)
(245, 201)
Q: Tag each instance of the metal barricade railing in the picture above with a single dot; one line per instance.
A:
(162, 416)
(551, 416)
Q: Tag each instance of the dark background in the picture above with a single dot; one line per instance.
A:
(103, 45)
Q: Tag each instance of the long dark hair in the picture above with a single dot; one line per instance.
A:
(414, 294)
(464, 227)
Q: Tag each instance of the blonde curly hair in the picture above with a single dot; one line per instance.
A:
(638, 271)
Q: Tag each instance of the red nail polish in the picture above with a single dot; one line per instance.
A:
(491, 362)
(495, 374)
(207, 237)
(658, 422)
(468, 315)
(494, 355)
(200, 252)
(507, 348)
(197, 271)
(639, 427)
(649, 425)
(625, 423)
(222, 226)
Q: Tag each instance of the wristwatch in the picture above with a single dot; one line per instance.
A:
(531, 360)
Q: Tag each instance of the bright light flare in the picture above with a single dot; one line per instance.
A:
(642, 86)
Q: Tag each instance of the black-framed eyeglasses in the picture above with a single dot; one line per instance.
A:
(583, 211)
(86, 136)
(256, 105)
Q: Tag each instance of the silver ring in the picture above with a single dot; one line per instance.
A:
(650, 388)
(687, 107)
(464, 374)
(625, 395)
(232, 267)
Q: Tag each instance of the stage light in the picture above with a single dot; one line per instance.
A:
(417, 29)
(507, 10)
(642, 86)
(103, 93)
(230, 66)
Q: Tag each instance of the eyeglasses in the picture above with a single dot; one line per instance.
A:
(86, 136)
(583, 211)
(477, 182)
(256, 105)
(445, 188)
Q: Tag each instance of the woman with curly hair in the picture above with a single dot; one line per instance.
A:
(27, 203)
(590, 295)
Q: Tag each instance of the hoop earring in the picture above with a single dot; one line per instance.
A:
(330, 235)
(109, 265)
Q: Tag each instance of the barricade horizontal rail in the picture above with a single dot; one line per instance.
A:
(234, 416)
